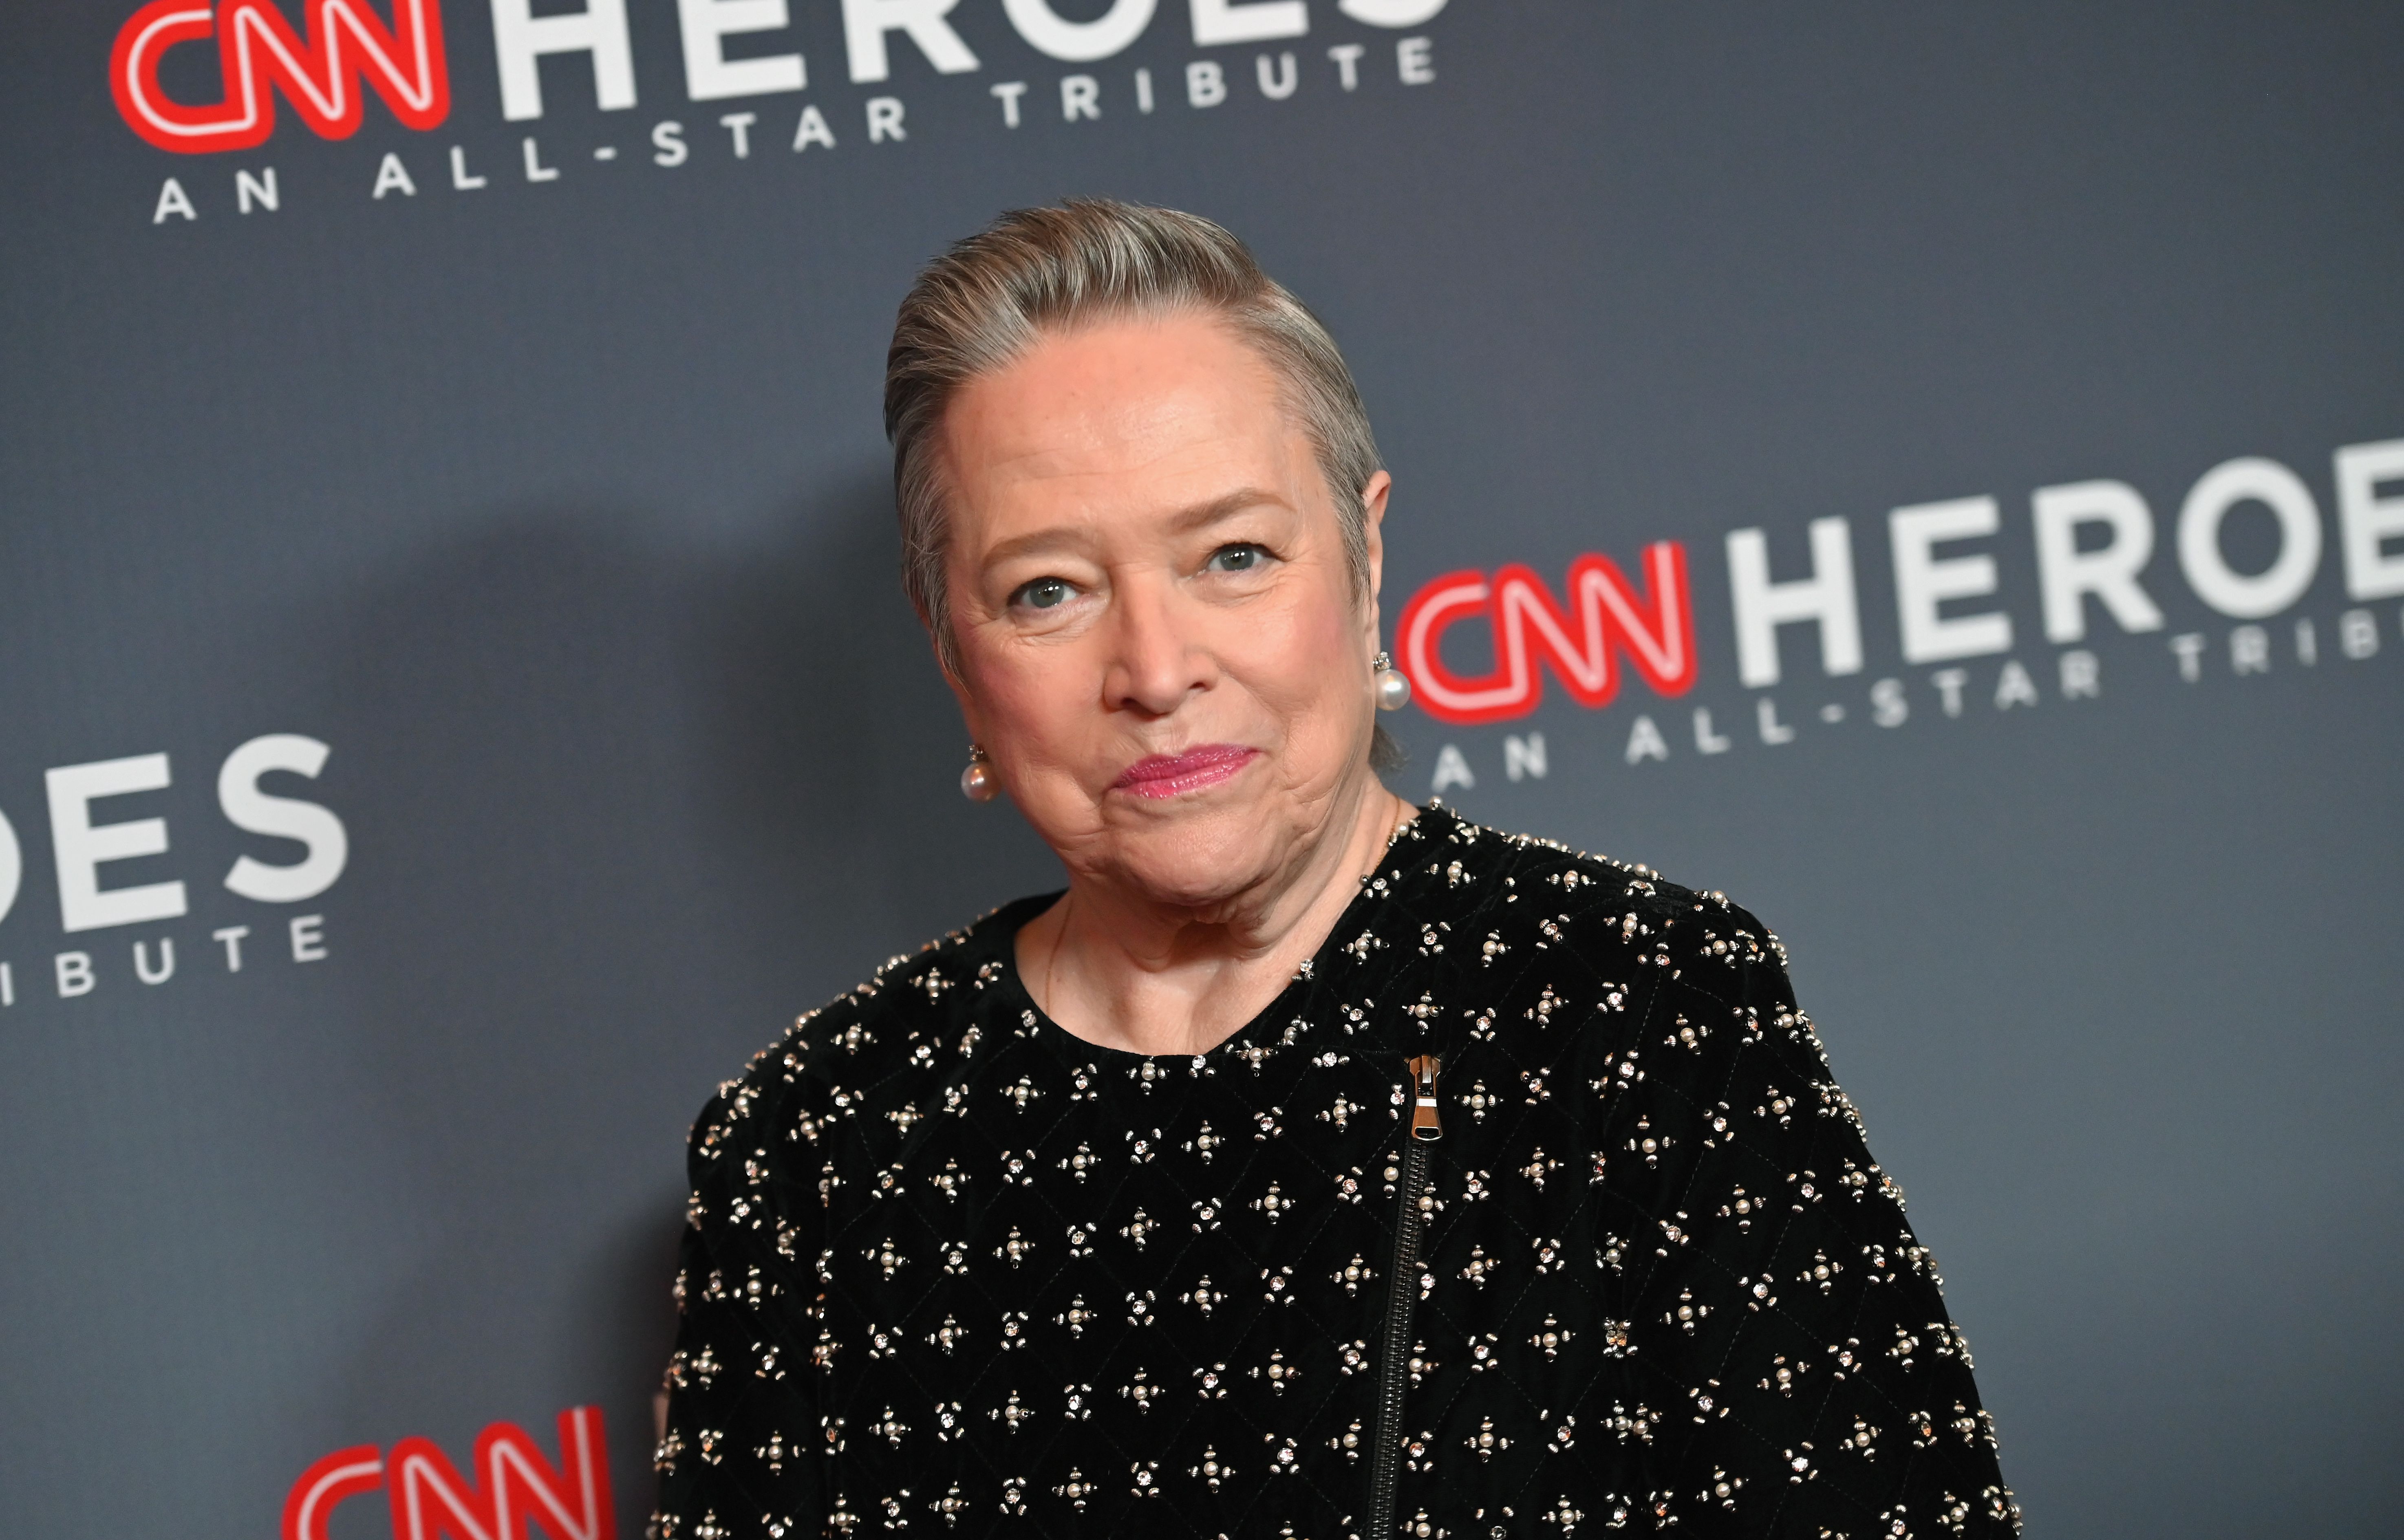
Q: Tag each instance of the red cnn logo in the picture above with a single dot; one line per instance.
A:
(321, 77)
(1606, 621)
(430, 1499)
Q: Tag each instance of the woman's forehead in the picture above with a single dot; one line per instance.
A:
(1170, 416)
(1116, 389)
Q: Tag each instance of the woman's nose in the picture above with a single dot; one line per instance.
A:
(1155, 662)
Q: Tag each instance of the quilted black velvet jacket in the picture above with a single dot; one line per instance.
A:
(1529, 1209)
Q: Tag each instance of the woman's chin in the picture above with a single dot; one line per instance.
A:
(1213, 857)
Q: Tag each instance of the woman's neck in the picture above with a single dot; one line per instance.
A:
(1121, 973)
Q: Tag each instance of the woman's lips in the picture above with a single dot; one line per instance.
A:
(1174, 774)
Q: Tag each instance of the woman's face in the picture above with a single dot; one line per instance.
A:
(1159, 644)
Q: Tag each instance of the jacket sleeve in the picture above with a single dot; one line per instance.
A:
(741, 1453)
(1796, 1369)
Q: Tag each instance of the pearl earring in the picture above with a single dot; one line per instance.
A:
(1394, 685)
(977, 783)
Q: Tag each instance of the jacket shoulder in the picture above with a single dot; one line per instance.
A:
(830, 1063)
(1689, 921)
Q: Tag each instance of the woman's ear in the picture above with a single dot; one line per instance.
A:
(1372, 518)
(969, 713)
(947, 663)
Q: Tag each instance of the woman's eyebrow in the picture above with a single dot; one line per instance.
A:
(1078, 537)
(1057, 539)
(1201, 516)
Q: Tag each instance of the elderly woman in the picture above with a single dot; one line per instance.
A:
(1314, 1165)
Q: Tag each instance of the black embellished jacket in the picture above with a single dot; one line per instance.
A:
(1531, 1208)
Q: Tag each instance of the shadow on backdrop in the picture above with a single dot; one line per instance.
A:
(548, 707)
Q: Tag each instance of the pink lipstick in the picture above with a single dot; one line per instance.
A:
(1174, 774)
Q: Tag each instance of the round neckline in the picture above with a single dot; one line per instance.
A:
(1005, 945)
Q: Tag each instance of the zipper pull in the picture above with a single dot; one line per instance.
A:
(1424, 1122)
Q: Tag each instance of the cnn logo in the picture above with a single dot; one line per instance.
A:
(508, 1487)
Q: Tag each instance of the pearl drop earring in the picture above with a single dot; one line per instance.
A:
(1394, 685)
(977, 783)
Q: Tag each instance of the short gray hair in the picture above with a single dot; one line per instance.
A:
(982, 304)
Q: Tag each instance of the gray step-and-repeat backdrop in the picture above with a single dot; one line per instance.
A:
(1934, 471)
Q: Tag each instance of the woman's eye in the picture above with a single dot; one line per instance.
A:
(1043, 594)
(1238, 558)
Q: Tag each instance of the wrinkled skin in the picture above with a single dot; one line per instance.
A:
(1145, 561)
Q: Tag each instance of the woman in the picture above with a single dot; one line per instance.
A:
(1314, 1165)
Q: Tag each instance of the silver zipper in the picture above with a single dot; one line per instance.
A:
(1402, 1297)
